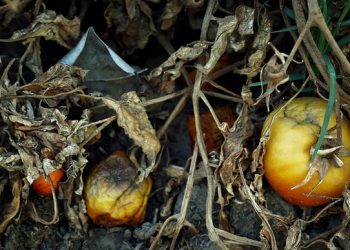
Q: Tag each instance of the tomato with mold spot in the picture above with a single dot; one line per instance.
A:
(112, 195)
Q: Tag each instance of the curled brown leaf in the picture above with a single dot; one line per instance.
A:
(227, 26)
(259, 47)
(50, 26)
(131, 23)
(11, 209)
(132, 117)
(234, 149)
(171, 68)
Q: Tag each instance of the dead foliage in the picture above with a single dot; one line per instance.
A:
(54, 118)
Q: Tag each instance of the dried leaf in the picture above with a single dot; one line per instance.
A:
(264, 34)
(293, 240)
(32, 57)
(227, 26)
(45, 128)
(11, 162)
(171, 68)
(266, 232)
(318, 167)
(247, 95)
(23, 121)
(234, 151)
(259, 46)
(132, 24)
(10, 210)
(245, 16)
(51, 27)
(28, 160)
(133, 119)
(259, 152)
(11, 10)
(76, 215)
(16, 5)
(50, 140)
(170, 13)
(57, 79)
(57, 117)
(272, 73)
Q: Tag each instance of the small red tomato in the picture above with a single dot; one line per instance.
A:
(294, 130)
(42, 186)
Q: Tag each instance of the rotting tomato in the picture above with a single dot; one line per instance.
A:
(211, 134)
(42, 186)
(294, 131)
(112, 195)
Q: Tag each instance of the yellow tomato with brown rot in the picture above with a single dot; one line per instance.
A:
(112, 195)
(292, 130)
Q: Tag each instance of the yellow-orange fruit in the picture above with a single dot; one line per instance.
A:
(293, 133)
(42, 186)
(111, 194)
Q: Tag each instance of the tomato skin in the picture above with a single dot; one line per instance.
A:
(42, 186)
(112, 196)
(293, 132)
(211, 134)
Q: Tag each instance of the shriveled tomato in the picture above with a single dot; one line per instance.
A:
(294, 131)
(42, 186)
(112, 195)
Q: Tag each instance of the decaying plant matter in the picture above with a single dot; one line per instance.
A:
(41, 132)
(200, 55)
(235, 157)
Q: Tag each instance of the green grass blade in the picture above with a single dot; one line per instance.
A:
(290, 28)
(289, 13)
(345, 23)
(324, 9)
(292, 77)
(341, 18)
(321, 40)
(344, 40)
(330, 104)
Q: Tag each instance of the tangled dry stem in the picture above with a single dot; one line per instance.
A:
(222, 238)
(36, 217)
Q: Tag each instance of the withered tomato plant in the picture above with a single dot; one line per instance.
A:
(293, 132)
